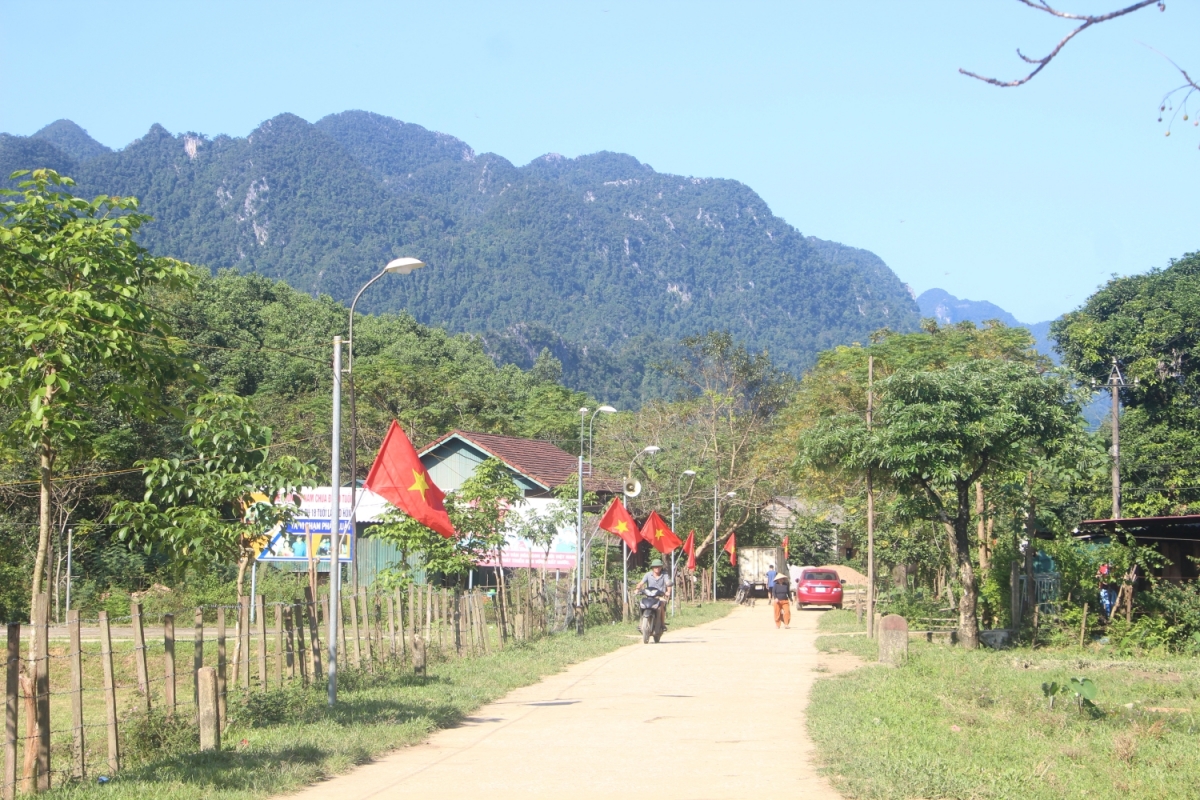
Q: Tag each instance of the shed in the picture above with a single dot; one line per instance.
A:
(1176, 538)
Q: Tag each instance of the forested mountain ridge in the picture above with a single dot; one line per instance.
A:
(600, 251)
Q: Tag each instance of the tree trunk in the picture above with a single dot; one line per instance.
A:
(960, 547)
(46, 462)
(237, 627)
(985, 548)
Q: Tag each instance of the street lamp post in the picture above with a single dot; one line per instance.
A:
(675, 553)
(335, 566)
(401, 266)
(579, 560)
(397, 266)
(648, 450)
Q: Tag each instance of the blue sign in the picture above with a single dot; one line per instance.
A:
(307, 536)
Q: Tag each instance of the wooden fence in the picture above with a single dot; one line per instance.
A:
(109, 670)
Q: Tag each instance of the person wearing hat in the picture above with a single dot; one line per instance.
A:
(781, 600)
(656, 578)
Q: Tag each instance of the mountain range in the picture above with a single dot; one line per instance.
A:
(947, 309)
(599, 262)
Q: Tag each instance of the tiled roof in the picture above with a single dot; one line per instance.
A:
(542, 461)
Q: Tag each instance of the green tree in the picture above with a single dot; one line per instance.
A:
(75, 289)
(1150, 326)
(938, 432)
(215, 504)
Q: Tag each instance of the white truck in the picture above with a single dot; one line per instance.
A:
(753, 563)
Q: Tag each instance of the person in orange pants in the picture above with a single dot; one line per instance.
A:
(781, 600)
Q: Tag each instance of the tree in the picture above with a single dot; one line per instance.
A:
(76, 291)
(216, 504)
(1150, 326)
(1177, 96)
(938, 432)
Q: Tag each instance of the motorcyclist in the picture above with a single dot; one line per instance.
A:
(656, 578)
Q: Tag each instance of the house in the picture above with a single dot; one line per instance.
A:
(538, 467)
(1176, 538)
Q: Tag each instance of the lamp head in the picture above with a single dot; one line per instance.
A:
(607, 410)
(651, 449)
(583, 410)
(403, 266)
(731, 494)
(689, 472)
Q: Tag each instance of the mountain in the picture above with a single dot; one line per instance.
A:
(600, 259)
(948, 309)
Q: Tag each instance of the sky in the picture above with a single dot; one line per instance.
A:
(849, 118)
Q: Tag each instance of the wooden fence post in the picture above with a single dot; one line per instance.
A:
(301, 655)
(169, 662)
(197, 653)
(206, 709)
(279, 646)
(314, 635)
(289, 625)
(243, 667)
(12, 672)
(1083, 625)
(391, 610)
(78, 752)
(222, 686)
(400, 624)
(41, 687)
(139, 656)
(354, 633)
(260, 615)
(110, 694)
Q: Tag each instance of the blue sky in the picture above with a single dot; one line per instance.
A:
(849, 118)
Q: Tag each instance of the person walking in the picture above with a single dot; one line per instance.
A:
(771, 573)
(781, 600)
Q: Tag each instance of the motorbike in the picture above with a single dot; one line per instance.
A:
(651, 623)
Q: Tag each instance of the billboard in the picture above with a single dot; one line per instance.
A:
(307, 536)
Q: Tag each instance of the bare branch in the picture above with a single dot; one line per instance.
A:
(1087, 22)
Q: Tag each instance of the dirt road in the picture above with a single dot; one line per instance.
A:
(715, 711)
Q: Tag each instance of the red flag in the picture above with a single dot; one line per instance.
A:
(616, 520)
(659, 534)
(689, 547)
(399, 477)
(731, 548)
(785, 547)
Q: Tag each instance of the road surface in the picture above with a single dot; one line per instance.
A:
(714, 711)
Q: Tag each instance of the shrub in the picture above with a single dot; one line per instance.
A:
(292, 703)
(152, 735)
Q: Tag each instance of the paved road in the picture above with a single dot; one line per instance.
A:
(718, 709)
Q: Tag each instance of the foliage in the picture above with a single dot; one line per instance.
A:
(214, 506)
(81, 334)
(151, 735)
(287, 704)
(1150, 324)
(952, 410)
(481, 511)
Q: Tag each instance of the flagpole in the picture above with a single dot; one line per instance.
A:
(716, 538)
(335, 565)
(624, 568)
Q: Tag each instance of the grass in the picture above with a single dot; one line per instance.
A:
(959, 724)
(376, 713)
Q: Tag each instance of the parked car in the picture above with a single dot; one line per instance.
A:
(819, 587)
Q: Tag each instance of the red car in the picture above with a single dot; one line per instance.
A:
(819, 587)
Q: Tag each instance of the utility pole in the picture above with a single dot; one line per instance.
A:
(870, 507)
(1115, 382)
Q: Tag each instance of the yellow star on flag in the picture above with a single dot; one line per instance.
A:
(622, 526)
(659, 533)
(419, 483)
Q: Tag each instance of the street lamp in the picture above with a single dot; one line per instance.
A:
(579, 510)
(398, 266)
(676, 502)
(716, 526)
(648, 450)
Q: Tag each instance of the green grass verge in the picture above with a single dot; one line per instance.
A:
(839, 621)
(958, 724)
(375, 714)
